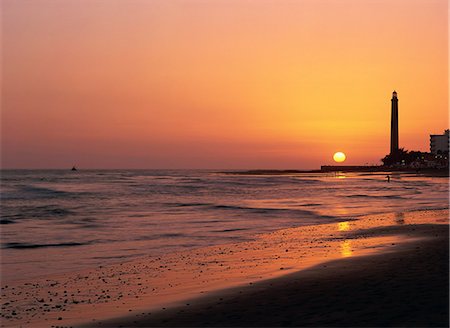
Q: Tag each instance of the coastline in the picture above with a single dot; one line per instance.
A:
(127, 290)
(404, 287)
(77, 230)
(428, 172)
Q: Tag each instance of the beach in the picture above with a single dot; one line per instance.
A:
(405, 287)
(380, 270)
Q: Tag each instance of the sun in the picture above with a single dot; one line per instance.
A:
(339, 157)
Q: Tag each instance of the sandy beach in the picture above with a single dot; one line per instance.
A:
(405, 287)
(388, 270)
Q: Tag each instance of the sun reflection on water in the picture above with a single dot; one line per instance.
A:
(346, 248)
(340, 175)
(344, 226)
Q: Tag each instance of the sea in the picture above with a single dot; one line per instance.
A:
(56, 221)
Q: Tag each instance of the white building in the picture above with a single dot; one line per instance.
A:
(439, 143)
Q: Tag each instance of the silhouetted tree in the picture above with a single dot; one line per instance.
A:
(395, 158)
(403, 157)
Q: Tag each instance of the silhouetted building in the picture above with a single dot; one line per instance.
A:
(439, 143)
(394, 123)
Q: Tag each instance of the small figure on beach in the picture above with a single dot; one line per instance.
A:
(388, 178)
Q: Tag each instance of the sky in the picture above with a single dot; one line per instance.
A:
(220, 84)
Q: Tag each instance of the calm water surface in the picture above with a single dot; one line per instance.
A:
(55, 221)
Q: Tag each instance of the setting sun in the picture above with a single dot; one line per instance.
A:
(339, 157)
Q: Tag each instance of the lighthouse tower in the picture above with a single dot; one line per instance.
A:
(394, 124)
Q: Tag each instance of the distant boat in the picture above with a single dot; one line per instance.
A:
(74, 168)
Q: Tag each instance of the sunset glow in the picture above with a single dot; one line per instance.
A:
(224, 163)
(218, 84)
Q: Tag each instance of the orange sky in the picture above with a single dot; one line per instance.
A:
(218, 83)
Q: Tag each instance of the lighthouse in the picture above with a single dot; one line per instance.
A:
(394, 124)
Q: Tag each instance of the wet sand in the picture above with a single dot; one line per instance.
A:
(342, 273)
(406, 287)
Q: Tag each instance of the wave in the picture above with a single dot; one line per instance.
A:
(231, 230)
(6, 221)
(375, 196)
(189, 204)
(59, 211)
(42, 191)
(28, 246)
(262, 210)
(19, 192)
(236, 207)
(159, 236)
(239, 209)
(170, 235)
(205, 221)
(37, 212)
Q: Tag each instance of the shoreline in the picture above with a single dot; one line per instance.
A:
(150, 283)
(254, 237)
(406, 286)
(428, 172)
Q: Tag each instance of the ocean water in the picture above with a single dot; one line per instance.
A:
(55, 221)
